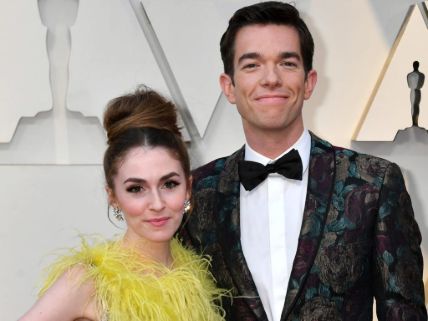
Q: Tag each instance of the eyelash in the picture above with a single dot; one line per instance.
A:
(171, 184)
(134, 189)
(284, 63)
(288, 63)
(250, 66)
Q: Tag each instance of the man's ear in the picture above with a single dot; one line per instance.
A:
(310, 82)
(227, 87)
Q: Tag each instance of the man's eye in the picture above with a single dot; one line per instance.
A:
(171, 184)
(289, 64)
(134, 189)
(250, 66)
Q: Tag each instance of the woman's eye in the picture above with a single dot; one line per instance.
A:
(171, 184)
(134, 189)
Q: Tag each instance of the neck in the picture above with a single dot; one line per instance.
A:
(271, 144)
(157, 251)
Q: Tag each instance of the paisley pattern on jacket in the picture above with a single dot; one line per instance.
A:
(358, 241)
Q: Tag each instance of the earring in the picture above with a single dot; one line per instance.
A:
(118, 213)
(187, 206)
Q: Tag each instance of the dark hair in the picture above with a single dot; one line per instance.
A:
(265, 13)
(142, 118)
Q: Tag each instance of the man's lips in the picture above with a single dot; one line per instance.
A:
(272, 99)
(158, 222)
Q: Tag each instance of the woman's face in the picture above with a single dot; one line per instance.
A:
(150, 188)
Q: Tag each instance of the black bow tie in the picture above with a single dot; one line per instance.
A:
(252, 174)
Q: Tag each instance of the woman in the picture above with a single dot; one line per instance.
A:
(146, 275)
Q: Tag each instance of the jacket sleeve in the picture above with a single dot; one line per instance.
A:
(398, 286)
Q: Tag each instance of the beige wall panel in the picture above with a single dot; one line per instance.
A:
(350, 49)
(24, 76)
(43, 210)
(189, 32)
(109, 56)
(389, 108)
(55, 137)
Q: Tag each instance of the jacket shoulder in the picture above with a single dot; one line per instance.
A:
(355, 156)
(209, 174)
(320, 145)
(369, 168)
(351, 164)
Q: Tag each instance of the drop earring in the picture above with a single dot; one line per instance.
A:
(187, 206)
(118, 213)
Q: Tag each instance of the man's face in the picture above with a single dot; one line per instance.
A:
(269, 84)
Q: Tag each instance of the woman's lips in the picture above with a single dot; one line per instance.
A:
(158, 222)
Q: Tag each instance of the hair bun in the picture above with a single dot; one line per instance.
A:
(144, 108)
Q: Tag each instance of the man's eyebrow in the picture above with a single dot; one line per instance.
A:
(249, 55)
(282, 55)
(290, 54)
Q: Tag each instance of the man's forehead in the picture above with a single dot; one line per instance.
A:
(272, 38)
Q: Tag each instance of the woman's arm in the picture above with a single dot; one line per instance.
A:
(67, 299)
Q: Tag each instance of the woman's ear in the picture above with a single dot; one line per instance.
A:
(110, 196)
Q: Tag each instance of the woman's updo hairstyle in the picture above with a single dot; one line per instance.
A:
(142, 118)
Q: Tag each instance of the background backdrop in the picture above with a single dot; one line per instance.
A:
(62, 60)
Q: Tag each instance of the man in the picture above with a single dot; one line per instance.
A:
(322, 242)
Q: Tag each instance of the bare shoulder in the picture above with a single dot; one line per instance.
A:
(71, 297)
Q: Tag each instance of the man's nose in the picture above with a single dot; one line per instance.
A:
(271, 77)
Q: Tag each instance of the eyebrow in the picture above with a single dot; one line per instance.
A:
(282, 55)
(249, 55)
(290, 54)
(142, 181)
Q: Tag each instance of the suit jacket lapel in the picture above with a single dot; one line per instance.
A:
(230, 238)
(320, 188)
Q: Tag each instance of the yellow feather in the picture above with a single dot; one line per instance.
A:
(129, 288)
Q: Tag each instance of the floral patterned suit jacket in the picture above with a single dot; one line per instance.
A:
(358, 240)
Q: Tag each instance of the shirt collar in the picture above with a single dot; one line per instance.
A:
(303, 146)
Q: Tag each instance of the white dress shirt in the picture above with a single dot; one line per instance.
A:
(270, 221)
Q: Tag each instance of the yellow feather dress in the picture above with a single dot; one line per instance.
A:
(129, 288)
